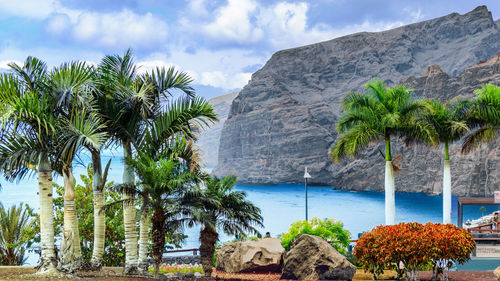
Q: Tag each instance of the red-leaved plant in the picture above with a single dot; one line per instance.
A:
(407, 247)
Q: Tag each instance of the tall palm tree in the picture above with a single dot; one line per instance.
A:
(129, 103)
(484, 118)
(28, 143)
(170, 136)
(449, 123)
(77, 127)
(379, 114)
(220, 207)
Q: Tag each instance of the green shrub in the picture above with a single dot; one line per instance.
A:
(329, 229)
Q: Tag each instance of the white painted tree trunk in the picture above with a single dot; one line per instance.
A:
(143, 241)
(129, 214)
(71, 256)
(99, 216)
(390, 200)
(48, 261)
(446, 192)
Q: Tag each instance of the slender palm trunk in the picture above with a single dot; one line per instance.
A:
(446, 186)
(208, 238)
(390, 199)
(129, 214)
(99, 216)
(143, 241)
(48, 261)
(158, 236)
(71, 258)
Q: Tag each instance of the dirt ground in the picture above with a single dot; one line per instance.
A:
(10, 273)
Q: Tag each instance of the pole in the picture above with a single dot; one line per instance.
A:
(306, 201)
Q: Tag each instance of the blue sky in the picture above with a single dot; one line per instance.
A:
(219, 42)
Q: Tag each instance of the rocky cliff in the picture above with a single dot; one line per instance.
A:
(208, 141)
(283, 120)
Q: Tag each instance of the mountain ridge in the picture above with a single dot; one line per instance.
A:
(283, 119)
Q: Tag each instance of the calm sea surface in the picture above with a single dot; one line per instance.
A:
(283, 204)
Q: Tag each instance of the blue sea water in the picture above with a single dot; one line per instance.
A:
(283, 204)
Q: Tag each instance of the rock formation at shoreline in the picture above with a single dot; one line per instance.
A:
(208, 141)
(283, 120)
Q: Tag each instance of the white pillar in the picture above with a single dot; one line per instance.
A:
(390, 200)
(446, 192)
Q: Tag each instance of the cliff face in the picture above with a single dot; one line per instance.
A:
(208, 141)
(283, 120)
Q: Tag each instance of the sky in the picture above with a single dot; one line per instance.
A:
(220, 43)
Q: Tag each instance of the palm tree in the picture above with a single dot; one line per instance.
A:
(220, 207)
(78, 127)
(129, 102)
(379, 114)
(28, 127)
(13, 223)
(449, 123)
(170, 136)
(160, 181)
(483, 118)
(44, 127)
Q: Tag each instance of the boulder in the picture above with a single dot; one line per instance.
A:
(497, 273)
(261, 255)
(312, 258)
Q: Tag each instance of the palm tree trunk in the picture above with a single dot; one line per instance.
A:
(208, 238)
(69, 260)
(48, 261)
(158, 236)
(390, 199)
(99, 216)
(129, 214)
(446, 186)
(143, 241)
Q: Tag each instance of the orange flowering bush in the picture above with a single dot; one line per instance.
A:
(449, 244)
(407, 247)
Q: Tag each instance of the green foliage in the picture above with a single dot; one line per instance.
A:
(329, 229)
(16, 235)
(483, 118)
(378, 114)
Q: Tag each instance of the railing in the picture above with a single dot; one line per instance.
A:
(195, 251)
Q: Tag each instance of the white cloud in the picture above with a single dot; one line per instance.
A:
(224, 80)
(113, 29)
(119, 29)
(58, 24)
(233, 23)
(216, 68)
(36, 9)
(198, 8)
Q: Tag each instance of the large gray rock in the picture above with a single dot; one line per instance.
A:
(262, 255)
(283, 120)
(312, 258)
(208, 141)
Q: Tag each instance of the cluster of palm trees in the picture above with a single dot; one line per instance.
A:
(49, 117)
(382, 113)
